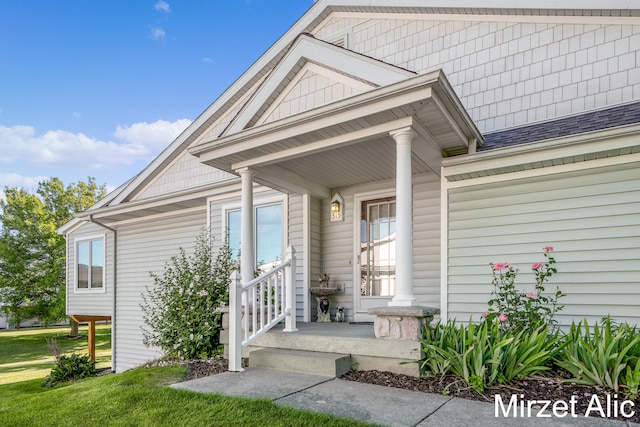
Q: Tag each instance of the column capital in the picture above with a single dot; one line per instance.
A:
(246, 171)
(406, 132)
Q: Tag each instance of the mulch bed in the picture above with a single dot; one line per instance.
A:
(531, 389)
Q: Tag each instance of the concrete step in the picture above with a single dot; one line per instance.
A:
(306, 362)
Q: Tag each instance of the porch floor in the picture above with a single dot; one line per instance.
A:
(333, 329)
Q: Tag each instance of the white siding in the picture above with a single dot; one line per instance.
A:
(295, 238)
(507, 73)
(591, 218)
(93, 303)
(144, 247)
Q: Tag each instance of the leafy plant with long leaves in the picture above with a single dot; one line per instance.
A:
(485, 354)
(600, 355)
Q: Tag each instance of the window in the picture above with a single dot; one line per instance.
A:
(268, 233)
(90, 264)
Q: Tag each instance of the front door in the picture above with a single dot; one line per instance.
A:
(377, 255)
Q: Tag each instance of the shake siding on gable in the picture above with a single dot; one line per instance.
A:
(591, 217)
(93, 303)
(145, 246)
(507, 73)
(186, 172)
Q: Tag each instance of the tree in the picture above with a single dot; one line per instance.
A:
(32, 254)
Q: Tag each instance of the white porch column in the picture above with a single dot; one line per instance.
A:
(404, 219)
(247, 251)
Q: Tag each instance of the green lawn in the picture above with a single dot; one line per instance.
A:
(134, 398)
(24, 354)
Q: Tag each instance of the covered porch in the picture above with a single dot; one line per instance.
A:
(388, 135)
(380, 142)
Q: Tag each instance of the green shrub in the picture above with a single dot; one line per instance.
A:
(486, 354)
(601, 355)
(72, 367)
(179, 311)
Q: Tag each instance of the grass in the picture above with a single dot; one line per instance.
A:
(139, 397)
(24, 354)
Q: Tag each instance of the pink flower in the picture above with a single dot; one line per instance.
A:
(532, 294)
(536, 266)
(548, 248)
(500, 266)
(485, 314)
(203, 293)
(503, 317)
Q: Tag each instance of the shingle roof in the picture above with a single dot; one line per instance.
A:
(595, 120)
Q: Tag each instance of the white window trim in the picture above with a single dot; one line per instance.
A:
(77, 240)
(358, 198)
(257, 203)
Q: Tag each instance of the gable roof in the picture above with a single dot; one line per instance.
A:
(315, 16)
(617, 116)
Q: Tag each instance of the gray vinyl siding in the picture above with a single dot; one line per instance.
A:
(315, 245)
(144, 247)
(296, 239)
(93, 303)
(338, 242)
(590, 217)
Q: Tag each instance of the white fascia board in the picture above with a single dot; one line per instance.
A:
(340, 112)
(574, 145)
(494, 4)
(194, 193)
(324, 54)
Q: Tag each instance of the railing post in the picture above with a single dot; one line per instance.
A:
(235, 327)
(290, 277)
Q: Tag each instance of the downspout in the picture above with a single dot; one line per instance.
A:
(115, 271)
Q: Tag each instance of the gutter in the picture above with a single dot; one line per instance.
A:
(113, 313)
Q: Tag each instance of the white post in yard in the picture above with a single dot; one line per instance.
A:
(235, 327)
(290, 277)
(404, 219)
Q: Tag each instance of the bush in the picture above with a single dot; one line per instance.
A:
(69, 368)
(523, 310)
(179, 311)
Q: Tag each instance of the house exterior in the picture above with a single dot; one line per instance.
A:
(452, 135)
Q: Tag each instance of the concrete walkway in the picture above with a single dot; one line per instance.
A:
(371, 403)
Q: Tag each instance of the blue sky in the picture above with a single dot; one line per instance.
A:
(98, 89)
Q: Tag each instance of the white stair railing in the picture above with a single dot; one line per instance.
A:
(259, 305)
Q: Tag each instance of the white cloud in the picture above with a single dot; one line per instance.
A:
(140, 141)
(15, 180)
(207, 59)
(152, 135)
(162, 6)
(157, 33)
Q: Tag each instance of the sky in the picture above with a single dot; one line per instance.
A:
(99, 88)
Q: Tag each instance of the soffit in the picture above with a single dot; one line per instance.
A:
(348, 142)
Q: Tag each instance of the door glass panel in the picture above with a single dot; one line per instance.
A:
(378, 248)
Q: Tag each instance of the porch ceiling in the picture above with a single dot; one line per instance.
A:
(348, 142)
